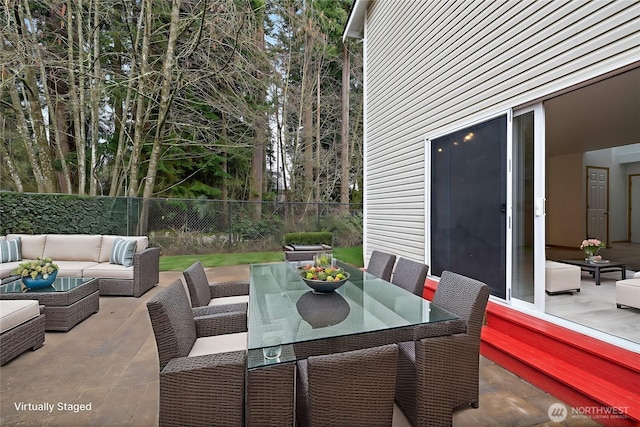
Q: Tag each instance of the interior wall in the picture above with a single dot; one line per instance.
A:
(565, 218)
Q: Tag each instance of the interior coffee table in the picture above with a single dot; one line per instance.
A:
(67, 302)
(595, 268)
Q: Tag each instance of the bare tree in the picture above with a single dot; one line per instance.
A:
(146, 99)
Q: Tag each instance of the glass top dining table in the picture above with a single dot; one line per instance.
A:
(305, 323)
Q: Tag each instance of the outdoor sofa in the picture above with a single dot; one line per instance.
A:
(304, 252)
(21, 328)
(131, 269)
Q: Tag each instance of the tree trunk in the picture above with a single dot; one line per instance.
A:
(164, 108)
(4, 155)
(146, 16)
(344, 154)
(25, 135)
(318, 183)
(38, 126)
(259, 136)
(62, 116)
(81, 135)
(94, 95)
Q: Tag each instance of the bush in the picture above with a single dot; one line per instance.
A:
(346, 228)
(308, 238)
(64, 214)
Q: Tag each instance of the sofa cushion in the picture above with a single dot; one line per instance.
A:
(15, 312)
(108, 270)
(7, 269)
(73, 268)
(73, 247)
(122, 252)
(10, 250)
(32, 245)
(142, 242)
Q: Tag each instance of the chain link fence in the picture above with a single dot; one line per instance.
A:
(181, 226)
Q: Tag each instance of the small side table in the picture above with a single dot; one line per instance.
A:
(68, 301)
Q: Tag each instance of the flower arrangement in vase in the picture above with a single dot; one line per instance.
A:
(39, 273)
(591, 247)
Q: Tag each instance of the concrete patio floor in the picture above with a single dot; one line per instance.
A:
(104, 372)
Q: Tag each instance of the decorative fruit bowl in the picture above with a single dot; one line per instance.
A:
(323, 280)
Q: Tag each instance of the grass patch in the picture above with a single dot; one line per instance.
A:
(182, 262)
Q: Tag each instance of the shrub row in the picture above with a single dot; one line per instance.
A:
(63, 214)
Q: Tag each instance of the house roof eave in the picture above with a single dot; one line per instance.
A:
(355, 24)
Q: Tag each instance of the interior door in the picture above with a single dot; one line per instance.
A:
(598, 203)
(634, 208)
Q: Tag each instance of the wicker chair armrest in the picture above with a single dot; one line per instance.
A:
(229, 289)
(216, 363)
(209, 310)
(221, 323)
(437, 329)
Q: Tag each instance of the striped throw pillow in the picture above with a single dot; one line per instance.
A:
(10, 250)
(122, 252)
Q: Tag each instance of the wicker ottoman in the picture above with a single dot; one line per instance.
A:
(628, 293)
(561, 278)
(21, 327)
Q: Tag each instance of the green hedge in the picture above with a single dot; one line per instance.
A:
(33, 213)
(308, 238)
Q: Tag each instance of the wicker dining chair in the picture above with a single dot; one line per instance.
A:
(439, 374)
(410, 275)
(354, 388)
(381, 265)
(202, 379)
(204, 293)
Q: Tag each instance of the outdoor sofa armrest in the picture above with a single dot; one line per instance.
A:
(221, 323)
(229, 289)
(146, 270)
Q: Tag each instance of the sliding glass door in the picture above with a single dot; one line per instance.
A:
(486, 210)
(528, 208)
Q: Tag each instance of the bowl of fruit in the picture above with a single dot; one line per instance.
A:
(323, 279)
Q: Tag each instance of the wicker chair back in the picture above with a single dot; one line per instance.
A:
(354, 388)
(173, 323)
(198, 285)
(410, 275)
(465, 297)
(381, 265)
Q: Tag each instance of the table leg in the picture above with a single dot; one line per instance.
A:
(597, 276)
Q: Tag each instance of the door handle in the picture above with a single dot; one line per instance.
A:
(540, 206)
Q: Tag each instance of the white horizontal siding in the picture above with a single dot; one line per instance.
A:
(436, 66)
